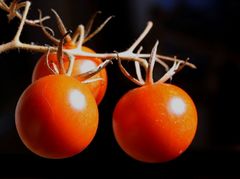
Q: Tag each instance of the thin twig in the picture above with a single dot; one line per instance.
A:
(20, 28)
(61, 26)
(138, 68)
(60, 54)
(126, 74)
(5, 7)
(92, 80)
(152, 59)
(167, 58)
(71, 64)
(163, 64)
(81, 37)
(76, 34)
(170, 72)
(125, 55)
(141, 37)
(90, 73)
(97, 30)
(54, 70)
(90, 22)
(44, 29)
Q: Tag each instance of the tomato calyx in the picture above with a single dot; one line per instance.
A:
(84, 77)
(176, 67)
(75, 43)
(59, 67)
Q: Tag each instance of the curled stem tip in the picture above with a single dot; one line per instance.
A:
(45, 30)
(54, 70)
(61, 25)
(60, 53)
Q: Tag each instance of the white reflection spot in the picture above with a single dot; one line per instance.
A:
(77, 100)
(87, 65)
(177, 106)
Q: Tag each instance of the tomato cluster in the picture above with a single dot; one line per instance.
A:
(57, 114)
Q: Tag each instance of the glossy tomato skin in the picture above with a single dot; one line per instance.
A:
(56, 117)
(155, 123)
(81, 65)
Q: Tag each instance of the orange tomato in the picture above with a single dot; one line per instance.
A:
(81, 65)
(56, 117)
(155, 123)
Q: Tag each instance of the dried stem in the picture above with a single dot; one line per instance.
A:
(90, 22)
(129, 54)
(125, 55)
(71, 64)
(6, 8)
(163, 64)
(182, 65)
(60, 57)
(20, 28)
(167, 58)
(170, 72)
(16, 43)
(90, 36)
(141, 37)
(54, 70)
(138, 68)
(76, 34)
(61, 26)
(130, 77)
(81, 37)
(90, 73)
(152, 59)
(44, 29)
(92, 80)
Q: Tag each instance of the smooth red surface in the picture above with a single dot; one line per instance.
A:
(47, 121)
(147, 128)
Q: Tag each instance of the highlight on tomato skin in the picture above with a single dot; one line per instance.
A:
(56, 117)
(155, 123)
(81, 65)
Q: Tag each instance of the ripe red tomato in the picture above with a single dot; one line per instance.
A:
(155, 123)
(81, 65)
(56, 117)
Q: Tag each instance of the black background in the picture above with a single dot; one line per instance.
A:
(205, 30)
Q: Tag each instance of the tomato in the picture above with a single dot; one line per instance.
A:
(155, 123)
(81, 65)
(56, 117)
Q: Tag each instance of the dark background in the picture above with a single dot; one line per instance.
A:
(205, 30)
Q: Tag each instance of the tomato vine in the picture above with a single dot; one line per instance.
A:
(69, 57)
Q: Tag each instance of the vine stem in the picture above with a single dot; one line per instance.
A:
(152, 60)
(15, 43)
(20, 28)
(141, 37)
(170, 72)
(128, 54)
(6, 8)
